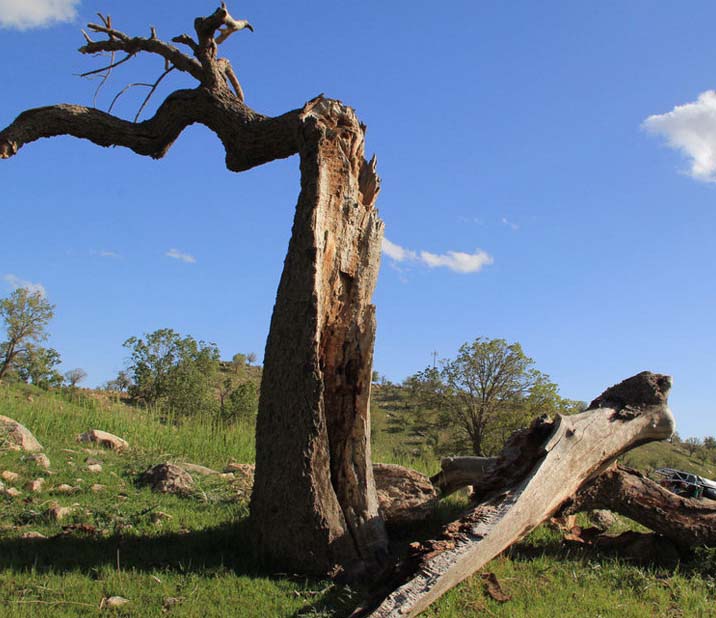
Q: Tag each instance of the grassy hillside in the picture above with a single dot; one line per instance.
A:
(189, 556)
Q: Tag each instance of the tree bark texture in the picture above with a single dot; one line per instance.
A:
(538, 470)
(686, 521)
(313, 431)
(314, 503)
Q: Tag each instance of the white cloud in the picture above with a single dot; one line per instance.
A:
(691, 128)
(24, 14)
(15, 282)
(398, 253)
(510, 224)
(456, 261)
(178, 255)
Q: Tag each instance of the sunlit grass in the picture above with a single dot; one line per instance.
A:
(190, 556)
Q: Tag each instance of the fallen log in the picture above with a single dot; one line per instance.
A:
(687, 522)
(459, 472)
(539, 469)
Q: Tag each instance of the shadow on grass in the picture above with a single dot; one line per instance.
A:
(226, 546)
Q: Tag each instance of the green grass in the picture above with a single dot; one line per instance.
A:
(150, 548)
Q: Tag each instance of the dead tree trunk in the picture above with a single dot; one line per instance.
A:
(313, 428)
(313, 431)
(538, 470)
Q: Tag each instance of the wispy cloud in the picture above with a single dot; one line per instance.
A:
(511, 224)
(25, 14)
(15, 282)
(456, 261)
(475, 220)
(398, 253)
(691, 128)
(105, 253)
(181, 256)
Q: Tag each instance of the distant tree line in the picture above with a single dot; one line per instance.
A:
(166, 371)
(185, 377)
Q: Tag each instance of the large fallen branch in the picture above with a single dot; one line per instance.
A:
(685, 521)
(537, 472)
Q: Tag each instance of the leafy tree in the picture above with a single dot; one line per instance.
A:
(74, 376)
(25, 315)
(239, 361)
(692, 445)
(490, 389)
(37, 365)
(174, 372)
(243, 403)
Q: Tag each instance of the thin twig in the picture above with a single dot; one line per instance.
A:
(151, 92)
(105, 77)
(121, 92)
(109, 66)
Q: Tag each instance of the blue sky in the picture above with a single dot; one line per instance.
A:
(564, 153)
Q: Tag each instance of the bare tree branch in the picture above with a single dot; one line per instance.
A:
(249, 139)
(233, 80)
(123, 90)
(154, 46)
(105, 77)
(152, 90)
(185, 39)
(108, 67)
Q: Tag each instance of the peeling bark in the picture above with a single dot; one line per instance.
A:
(313, 419)
(535, 474)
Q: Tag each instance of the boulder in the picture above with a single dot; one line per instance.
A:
(17, 436)
(40, 460)
(58, 513)
(9, 476)
(64, 488)
(167, 478)
(243, 472)
(197, 469)
(602, 518)
(113, 602)
(404, 495)
(104, 439)
(35, 485)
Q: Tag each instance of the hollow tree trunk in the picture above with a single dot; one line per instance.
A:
(313, 430)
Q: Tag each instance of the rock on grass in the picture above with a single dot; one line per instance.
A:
(167, 478)
(104, 439)
(18, 436)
